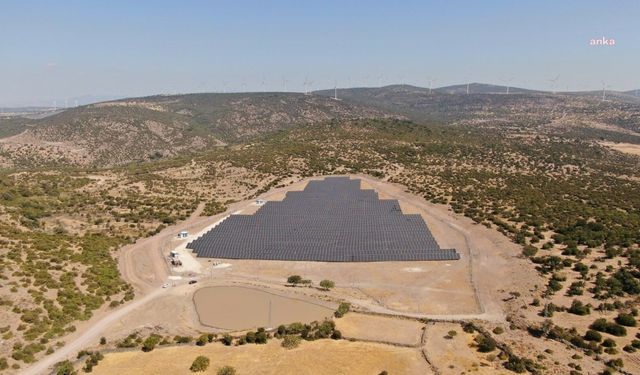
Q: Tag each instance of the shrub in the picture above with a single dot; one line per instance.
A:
(291, 341)
(529, 251)
(579, 308)
(327, 284)
(103, 341)
(626, 320)
(294, 279)
(182, 339)
(592, 335)
(150, 343)
(226, 370)
(227, 339)
(485, 344)
(611, 328)
(64, 368)
(498, 330)
(200, 364)
(343, 308)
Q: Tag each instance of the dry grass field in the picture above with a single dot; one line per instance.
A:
(323, 357)
(380, 328)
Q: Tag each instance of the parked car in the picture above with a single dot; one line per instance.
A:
(192, 281)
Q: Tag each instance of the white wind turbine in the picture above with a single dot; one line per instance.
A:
(335, 91)
(431, 81)
(554, 82)
(508, 82)
(284, 83)
(604, 91)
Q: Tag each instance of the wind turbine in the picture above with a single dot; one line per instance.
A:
(335, 91)
(307, 86)
(76, 103)
(553, 84)
(284, 83)
(55, 106)
(380, 77)
(508, 81)
(431, 81)
(604, 91)
(262, 84)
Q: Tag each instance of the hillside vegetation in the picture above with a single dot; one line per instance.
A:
(534, 171)
(119, 132)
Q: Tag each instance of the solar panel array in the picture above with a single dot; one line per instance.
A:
(332, 220)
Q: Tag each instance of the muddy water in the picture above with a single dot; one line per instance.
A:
(238, 308)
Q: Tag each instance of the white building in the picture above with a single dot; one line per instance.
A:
(183, 234)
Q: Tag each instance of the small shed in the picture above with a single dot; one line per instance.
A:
(183, 234)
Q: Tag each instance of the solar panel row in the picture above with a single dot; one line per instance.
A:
(331, 220)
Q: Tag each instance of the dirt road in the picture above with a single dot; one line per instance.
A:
(88, 337)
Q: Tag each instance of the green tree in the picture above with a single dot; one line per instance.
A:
(200, 364)
(294, 279)
(64, 368)
(327, 284)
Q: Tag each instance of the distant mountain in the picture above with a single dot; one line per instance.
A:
(121, 131)
(483, 88)
(484, 107)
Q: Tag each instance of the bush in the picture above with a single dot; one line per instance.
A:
(626, 320)
(103, 341)
(529, 251)
(294, 279)
(498, 330)
(226, 370)
(150, 343)
(327, 284)
(202, 340)
(592, 335)
(579, 308)
(611, 328)
(485, 344)
(227, 339)
(200, 364)
(343, 308)
(291, 341)
(64, 368)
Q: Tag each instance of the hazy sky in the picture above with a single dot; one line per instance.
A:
(52, 50)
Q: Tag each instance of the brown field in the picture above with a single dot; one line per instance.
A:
(316, 357)
(380, 328)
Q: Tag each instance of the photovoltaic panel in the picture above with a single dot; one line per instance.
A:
(331, 220)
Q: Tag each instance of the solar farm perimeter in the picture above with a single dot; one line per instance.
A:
(331, 220)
